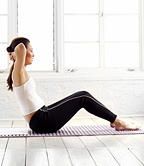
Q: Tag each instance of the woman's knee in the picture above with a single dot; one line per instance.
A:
(84, 92)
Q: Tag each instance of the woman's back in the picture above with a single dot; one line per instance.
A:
(19, 78)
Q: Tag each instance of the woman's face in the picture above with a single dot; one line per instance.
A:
(29, 55)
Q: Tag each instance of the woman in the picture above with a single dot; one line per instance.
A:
(45, 119)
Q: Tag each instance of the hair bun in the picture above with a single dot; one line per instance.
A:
(9, 49)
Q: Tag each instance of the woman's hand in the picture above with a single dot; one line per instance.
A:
(19, 55)
(20, 49)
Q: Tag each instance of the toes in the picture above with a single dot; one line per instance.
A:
(112, 125)
(127, 129)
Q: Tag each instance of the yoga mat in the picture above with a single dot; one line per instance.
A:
(85, 130)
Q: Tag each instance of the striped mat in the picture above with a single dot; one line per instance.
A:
(85, 130)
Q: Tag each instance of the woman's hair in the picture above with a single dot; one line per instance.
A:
(11, 49)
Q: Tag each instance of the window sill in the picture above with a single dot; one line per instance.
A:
(104, 75)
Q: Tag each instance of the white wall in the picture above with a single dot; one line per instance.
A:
(123, 96)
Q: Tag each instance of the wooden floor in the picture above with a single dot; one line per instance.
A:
(123, 150)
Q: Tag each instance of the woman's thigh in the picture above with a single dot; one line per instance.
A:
(76, 94)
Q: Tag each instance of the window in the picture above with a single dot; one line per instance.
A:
(76, 34)
(3, 34)
(121, 33)
(81, 33)
(35, 21)
(101, 33)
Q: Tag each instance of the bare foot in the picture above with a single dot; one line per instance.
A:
(121, 125)
(112, 125)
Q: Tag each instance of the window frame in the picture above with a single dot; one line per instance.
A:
(101, 36)
(12, 23)
(58, 63)
(141, 33)
(6, 41)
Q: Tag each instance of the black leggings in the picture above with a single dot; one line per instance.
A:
(51, 118)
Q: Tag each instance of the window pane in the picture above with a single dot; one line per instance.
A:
(122, 54)
(81, 6)
(3, 6)
(35, 21)
(81, 28)
(81, 55)
(3, 57)
(3, 28)
(121, 6)
(121, 28)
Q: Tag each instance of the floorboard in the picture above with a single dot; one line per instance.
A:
(108, 150)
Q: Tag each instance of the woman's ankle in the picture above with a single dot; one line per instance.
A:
(117, 122)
